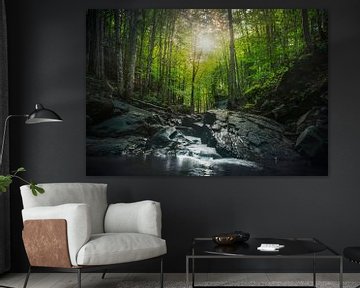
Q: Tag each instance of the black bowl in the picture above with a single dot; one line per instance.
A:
(231, 238)
(241, 236)
(224, 239)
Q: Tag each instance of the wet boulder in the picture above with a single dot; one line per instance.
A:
(250, 137)
(209, 118)
(162, 137)
(135, 121)
(188, 121)
(126, 145)
(313, 143)
(317, 116)
(98, 108)
(168, 136)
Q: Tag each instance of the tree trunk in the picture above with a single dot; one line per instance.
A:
(160, 53)
(164, 60)
(133, 22)
(151, 51)
(140, 64)
(268, 30)
(192, 104)
(118, 53)
(306, 31)
(99, 50)
(319, 20)
(169, 62)
(232, 72)
(238, 78)
(195, 67)
(247, 31)
(284, 37)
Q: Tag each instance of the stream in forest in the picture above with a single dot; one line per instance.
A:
(195, 159)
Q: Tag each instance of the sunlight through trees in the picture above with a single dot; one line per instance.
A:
(190, 59)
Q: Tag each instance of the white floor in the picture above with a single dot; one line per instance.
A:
(114, 280)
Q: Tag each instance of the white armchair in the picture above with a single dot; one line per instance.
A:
(72, 228)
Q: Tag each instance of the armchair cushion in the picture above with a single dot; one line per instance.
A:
(138, 217)
(92, 194)
(113, 248)
(78, 221)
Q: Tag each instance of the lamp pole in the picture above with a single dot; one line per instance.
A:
(4, 134)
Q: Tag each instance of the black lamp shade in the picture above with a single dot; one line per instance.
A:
(42, 115)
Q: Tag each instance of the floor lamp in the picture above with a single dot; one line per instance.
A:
(39, 115)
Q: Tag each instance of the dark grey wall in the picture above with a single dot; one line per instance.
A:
(47, 65)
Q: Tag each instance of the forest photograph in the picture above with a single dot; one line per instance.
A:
(207, 92)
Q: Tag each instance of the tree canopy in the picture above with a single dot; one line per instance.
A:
(193, 58)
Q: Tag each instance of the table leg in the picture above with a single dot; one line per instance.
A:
(314, 271)
(193, 267)
(341, 273)
(187, 272)
(193, 272)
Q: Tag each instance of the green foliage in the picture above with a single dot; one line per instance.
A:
(255, 92)
(36, 189)
(20, 169)
(262, 90)
(152, 98)
(6, 180)
(183, 56)
(249, 106)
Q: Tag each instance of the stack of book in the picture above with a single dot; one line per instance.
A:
(270, 247)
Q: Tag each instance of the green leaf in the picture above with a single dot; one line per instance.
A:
(5, 182)
(36, 189)
(39, 189)
(33, 188)
(20, 169)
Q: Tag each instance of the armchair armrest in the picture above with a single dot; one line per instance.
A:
(138, 217)
(77, 217)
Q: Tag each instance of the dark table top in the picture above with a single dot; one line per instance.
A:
(293, 247)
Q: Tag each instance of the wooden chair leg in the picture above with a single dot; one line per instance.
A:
(27, 277)
(79, 277)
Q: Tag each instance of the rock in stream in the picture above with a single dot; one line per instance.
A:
(218, 142)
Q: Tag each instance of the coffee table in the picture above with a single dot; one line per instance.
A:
(294, 248)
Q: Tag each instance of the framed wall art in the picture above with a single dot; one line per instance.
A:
(207, 92)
